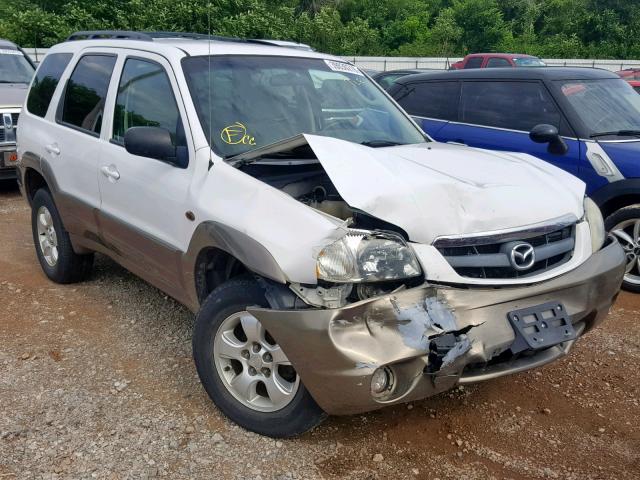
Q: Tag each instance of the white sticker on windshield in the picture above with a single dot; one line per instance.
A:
(343, 67)
(4, 51)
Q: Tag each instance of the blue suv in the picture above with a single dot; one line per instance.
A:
(583, 120)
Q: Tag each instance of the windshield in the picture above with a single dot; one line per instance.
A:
(606, 105)
(529, 62)
(14, 68)
(248, 102)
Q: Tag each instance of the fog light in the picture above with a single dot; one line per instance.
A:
(381, 381)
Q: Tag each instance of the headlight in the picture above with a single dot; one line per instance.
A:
(364, 256)
(593, 216)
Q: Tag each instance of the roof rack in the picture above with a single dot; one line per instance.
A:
(150, 36)
(111, 34)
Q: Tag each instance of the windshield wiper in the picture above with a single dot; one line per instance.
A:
(617, 133)
(380, 143)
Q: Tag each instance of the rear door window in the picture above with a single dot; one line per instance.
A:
(510, 105)
(46, 81)
(84, 97)
(496, 62)
(431, 99)
(474, 62)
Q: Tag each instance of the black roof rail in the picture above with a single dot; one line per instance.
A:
(149, 36)
(109, 34)
(204, 36)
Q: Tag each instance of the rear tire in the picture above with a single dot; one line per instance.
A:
(53, 245)
(624, 224)
(229, 345)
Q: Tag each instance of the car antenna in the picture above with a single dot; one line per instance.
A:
(209, 79)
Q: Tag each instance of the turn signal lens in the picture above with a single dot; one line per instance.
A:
(593, 216)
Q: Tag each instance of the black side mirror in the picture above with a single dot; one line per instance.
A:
(544, 133)
(151, 142)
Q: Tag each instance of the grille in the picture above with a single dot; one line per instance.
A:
(14, 119)
(491, 258)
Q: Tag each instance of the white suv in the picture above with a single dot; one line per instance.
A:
(338, 260)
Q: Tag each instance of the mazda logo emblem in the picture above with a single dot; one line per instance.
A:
(522, 256)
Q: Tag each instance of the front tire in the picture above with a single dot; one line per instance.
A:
(244, 370)
(624, 224)
(53, 245)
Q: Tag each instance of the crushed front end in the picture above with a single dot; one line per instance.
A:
(417, 342)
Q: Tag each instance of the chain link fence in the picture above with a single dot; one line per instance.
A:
(443, 63)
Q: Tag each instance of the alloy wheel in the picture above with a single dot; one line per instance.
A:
(252, 366)
(47, 236)
(628, 234)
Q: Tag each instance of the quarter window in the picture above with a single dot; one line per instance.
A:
(496, 62)
(46, 81)
(512, 105)
(431, 99)
(145, 99)
(86, 91)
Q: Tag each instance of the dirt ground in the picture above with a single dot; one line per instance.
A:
(97, 381)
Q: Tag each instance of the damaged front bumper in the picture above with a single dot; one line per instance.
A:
(433, 337)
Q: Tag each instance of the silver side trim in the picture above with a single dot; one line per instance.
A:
(602, 163)
(453, 122)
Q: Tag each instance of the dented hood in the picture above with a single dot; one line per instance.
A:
(436, 189)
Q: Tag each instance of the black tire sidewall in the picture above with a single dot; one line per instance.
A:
(627, 213)
(299, 416)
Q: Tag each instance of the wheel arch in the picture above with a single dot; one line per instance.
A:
(617, 195)
(33, 181)
(217, 253)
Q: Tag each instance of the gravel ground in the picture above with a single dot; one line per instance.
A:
(97, 381)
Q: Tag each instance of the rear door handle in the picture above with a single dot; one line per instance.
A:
(457, 142)
(53, 149)
(111, 172)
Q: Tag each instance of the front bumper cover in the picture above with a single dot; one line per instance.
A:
(335, 351)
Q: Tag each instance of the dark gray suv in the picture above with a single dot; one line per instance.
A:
(16, 71)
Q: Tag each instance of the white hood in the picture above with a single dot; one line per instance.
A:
(436, 189)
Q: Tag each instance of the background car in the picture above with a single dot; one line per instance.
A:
(635, 84)
(16, 70)
(632, 76)
(629, 74)
(497, 60)
(386, 79)
(584, 120)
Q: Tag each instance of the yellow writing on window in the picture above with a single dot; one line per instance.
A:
(236, 134)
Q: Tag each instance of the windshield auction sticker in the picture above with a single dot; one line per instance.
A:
(343, 67)
(236, 134)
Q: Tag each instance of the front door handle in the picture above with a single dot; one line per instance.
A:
(457, 141)
(53, 149)
(111, 172)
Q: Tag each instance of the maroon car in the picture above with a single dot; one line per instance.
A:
(629, 74)
(492, 60)
(632, 76)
